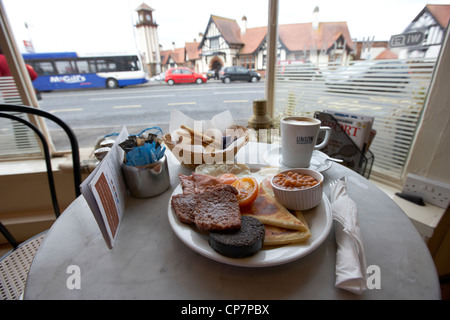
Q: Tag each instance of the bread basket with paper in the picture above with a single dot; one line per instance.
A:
(204, 142)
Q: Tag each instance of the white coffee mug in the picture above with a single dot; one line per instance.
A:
(298, 140)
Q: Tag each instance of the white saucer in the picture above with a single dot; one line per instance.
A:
(319, 161)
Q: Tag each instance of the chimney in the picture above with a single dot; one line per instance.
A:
(244, 24)
(315, 23)
(173, 46)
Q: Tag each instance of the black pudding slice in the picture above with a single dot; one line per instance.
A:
(239, 243)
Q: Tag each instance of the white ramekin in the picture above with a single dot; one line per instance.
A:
(300, 199)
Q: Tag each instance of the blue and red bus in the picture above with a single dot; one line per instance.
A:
(70, 70)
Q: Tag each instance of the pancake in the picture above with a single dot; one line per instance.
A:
(278, 236)
(275, 236)
(267, 210)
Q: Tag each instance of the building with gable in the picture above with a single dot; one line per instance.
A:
(432, 21)
(187, 56)
(226, 43)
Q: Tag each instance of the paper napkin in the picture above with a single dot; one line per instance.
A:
(350, 255)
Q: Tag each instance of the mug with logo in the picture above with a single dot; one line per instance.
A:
(299, 138)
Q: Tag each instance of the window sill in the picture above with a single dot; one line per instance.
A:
(18, 167)
(425, 218)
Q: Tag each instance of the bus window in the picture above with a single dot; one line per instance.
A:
(83, 66)
(44, 68)
(64, 67)
(106, 65)
(128, 63)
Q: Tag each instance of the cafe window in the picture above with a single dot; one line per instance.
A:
(397, 107)
(360, 76)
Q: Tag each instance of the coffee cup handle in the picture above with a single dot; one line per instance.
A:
(327, 137)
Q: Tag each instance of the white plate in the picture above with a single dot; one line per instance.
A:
(319, 221)
(318, 161)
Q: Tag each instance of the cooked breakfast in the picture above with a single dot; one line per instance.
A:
(293, 180)
(218, 210)
(267, 210)
(240, 243)
(227, 207)
(247, 188)
(275, 236)
(207, 203)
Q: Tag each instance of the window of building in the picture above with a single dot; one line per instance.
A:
(248, 62)
(214, 43)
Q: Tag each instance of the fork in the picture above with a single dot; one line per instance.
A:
(334, 182)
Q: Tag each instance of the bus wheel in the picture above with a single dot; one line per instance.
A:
(111, 83)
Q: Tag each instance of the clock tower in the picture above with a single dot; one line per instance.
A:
(147, 38)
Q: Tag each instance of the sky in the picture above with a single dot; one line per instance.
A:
(96, 26)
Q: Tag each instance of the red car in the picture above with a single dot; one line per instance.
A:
(184, 75)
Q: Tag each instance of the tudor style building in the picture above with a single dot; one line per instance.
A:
(432, 21)
(226, 43)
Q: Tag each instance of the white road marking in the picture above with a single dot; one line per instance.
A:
(131, 97)
(180, 103)
(125, 107)
(66, 110)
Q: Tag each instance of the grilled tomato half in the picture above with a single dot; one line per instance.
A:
(248, 190)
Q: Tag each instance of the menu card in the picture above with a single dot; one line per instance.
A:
(105, 191)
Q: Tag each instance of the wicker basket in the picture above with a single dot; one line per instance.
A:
(183, 154)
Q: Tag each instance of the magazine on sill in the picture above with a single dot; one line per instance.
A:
(105, 191)
(358, 127)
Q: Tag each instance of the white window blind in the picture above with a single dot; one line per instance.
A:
(16, 139)
(393, 91)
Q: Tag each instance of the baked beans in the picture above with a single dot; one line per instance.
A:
(293, 180)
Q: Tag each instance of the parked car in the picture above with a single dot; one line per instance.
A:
(183, 75)
(211, 74)
(370, 75)
(238, 73)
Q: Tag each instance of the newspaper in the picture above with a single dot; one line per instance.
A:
(105, 191)
(357, 127)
